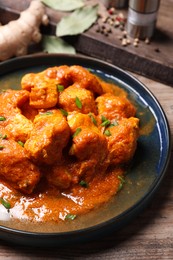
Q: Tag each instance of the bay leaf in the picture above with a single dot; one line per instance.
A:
(64, 5)
(78, 21)
(53, 44)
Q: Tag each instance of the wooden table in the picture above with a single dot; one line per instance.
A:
(148, 236)
(153, 60)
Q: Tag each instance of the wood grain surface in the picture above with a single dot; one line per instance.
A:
(148, 237)
(154, 60)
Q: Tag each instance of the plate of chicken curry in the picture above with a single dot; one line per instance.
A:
(83, 147)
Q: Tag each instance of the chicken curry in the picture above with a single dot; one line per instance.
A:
(66, 139)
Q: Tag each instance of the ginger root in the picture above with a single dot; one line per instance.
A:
(17, 35)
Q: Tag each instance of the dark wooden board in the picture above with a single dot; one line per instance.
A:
(154, 60)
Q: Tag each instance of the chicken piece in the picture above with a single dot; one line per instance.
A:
(89, 144)
(49, 136)
(43, 91)
(114, 107)
(44, 86)
(11, 99)
(16, 168)
(16, 123)
(28, 111)
(59, 176)
(86, 170)
(60, 74)
(28, 81)
(44, 95)
(109, 87)
(19, 126)
(77, 120)
(82, 78)
(74, 98)
(122, 141)
(70, 173)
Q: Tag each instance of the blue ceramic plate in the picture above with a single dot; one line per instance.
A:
(143, 179)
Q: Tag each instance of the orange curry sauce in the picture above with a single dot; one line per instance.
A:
(66, 140)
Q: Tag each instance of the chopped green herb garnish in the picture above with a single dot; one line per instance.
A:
(121, 178)
(78, 103)
(83, 184)
(92, 119)
(60, 88)
(107, 133)
(64, 112)
(106, 123)
(70, 216)
(3, 136)
(1, 147)
(120, 186)
(103, 118)
(78, 130)
(21, 143)
(2, 118)
(122, 181)
(46, 113)
(5, 203)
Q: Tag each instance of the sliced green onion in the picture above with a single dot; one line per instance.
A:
(120, 186)
(2, 118)
(70, 216)
(103, 118)
(106, 123)
(64, 112)
(121, 178)
(92, 119)
(122, 181)
(46, 113)
(107, 133)
(1, 147)
(60, 88)
(78, 130)
(5, 203)
(3, 136)
(21, 143)
(83, 184)
(78, 103)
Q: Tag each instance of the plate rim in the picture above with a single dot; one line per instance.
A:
(142, 202)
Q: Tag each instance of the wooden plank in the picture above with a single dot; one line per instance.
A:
(154, 60)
